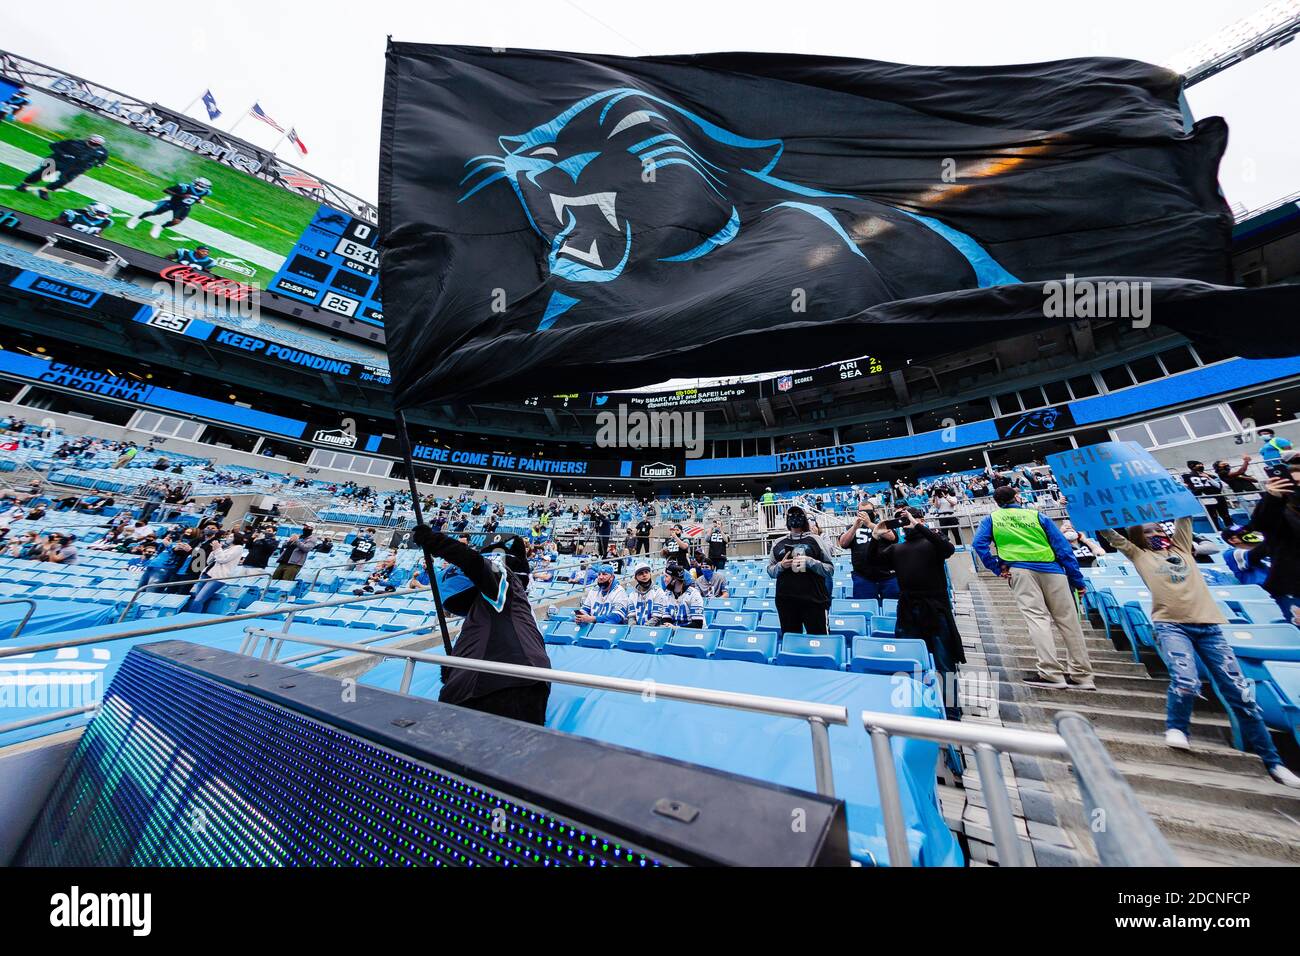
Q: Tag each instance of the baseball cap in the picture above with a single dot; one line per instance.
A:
(641, 566)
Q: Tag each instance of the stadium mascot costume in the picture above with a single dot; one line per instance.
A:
(489, 588)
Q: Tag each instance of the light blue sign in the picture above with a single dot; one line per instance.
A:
(1117, 484)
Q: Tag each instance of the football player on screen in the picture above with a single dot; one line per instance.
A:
(68, 159)
(179, 201)
(11, 107)
(199, 258)
(92, 219)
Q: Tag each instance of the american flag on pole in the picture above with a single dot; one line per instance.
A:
(299, 180)
(293, 138)
(258, 113)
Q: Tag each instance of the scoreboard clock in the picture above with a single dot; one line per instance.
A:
(335, 267)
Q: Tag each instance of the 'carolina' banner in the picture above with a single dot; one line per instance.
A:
(559, 222)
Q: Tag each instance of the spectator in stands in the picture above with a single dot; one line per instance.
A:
(223, 562)
(259, 546)
(1247, 556)
(223, 506)
(96, 506)
(873, 577)
(1209, 491)
(294, 554)
(646, 599)
(943, 504)
(544, 573)
(643, 529)
(326, 545)
(363, 548)
(1236, 478)
(1277, 517)
(185, 550)
(379, 579)
(803, 573)
(681, 605)
(1086, 550)
(27, 546)
(603, 526)
(717, 542)
(1187, 628)
(711, 582)
(768, 505)
(160, 567)
(1273, 448)
(60, 548)
(605, 601)
(1039, 563)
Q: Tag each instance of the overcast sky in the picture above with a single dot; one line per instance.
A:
(318, 65)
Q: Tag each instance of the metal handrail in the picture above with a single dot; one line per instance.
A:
(1128, 837)
(167, 584)
(817, 715)
(31, 609)
(47, 718)
(207, 622)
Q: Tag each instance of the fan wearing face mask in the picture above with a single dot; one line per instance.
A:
(1188, 625)
(1086, 550)
(682, 604)
(803, 571)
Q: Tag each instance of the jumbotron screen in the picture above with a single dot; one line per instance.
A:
(108, 182)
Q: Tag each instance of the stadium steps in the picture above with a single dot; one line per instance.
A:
(1215, 804)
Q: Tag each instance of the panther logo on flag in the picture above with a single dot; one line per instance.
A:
(619, 142)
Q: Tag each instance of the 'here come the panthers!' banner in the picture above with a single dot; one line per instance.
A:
(567, 222)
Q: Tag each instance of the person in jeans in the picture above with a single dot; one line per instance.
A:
(803, 573)
(1039, 563)
(1187, 626)
(294, 554)
(873, 577)
(223, 563)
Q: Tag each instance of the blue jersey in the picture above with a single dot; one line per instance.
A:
(1248, 571)
(608, 605)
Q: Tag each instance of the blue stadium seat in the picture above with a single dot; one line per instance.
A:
(769, 621)
(1264, 642)
(756, 646)
(1279, 696)
(824, 651)
(563, 632)
(1259, 612)
(734, 620)
(603, 636)
(862, 606)
(692, 642)
(882, 625)
(760, 604)
(645, 640)
(873, 655)
(889, 607)
(562, 613)
(848, 625)
(725, 604)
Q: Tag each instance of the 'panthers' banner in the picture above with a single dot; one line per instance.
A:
(558, 222)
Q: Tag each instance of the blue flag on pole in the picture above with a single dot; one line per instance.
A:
(210, 103)
(1117, 484)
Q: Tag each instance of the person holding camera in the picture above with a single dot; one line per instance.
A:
(943, 505)
(1277, 517)
(873, 577)
(803, 571)
(918, 559)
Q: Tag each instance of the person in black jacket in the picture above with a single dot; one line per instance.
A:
(873, 577)
(1208, 489)
(258, 551)
(1277, 516)
(499, 626)
(803, 573)
(924, 608)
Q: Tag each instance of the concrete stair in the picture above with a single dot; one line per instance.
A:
(1215, 804)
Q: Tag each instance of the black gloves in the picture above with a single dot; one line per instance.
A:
(425, 536)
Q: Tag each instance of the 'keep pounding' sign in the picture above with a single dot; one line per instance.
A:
(1117, 484)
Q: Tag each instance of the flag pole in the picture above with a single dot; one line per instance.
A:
(240, 118)
(283, 134)
(193, 103)
(404, 441)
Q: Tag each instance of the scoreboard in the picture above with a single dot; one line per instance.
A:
(335, 267)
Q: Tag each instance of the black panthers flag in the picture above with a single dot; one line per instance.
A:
(556, 222)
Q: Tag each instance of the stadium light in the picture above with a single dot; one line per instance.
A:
(1273, 25)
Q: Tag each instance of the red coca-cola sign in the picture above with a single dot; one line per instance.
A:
(228, 288)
